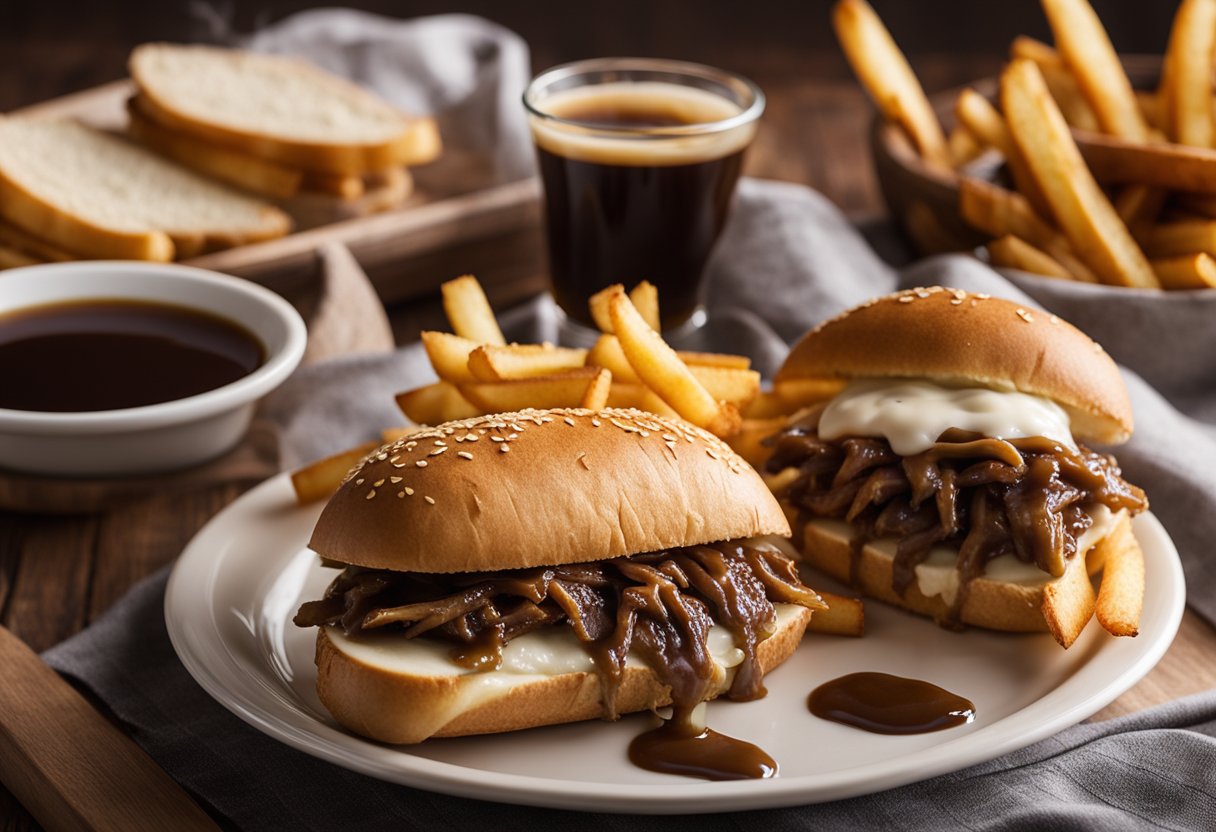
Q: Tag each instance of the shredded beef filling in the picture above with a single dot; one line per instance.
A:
(983, 497)
(659, 605)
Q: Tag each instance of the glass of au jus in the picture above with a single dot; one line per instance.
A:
(639, 159)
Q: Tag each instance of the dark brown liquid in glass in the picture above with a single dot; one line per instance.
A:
(112, 354)
(623, 223)
(886, 704)
(679, 746)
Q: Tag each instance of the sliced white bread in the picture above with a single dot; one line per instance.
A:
(277, 108)
(99, 195)
(375, 194)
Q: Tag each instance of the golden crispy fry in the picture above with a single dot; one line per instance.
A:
(998, 212)
(645, 299)
(596, 395)
(1024, 46)
(727, 384)
(747, 443)
(1175, 239)
(320, 479)
(964, 146)
(1151, 107)
(435, 403)
(1190, 271)
(493, 363)
(598, 303)
(1086, 48)
(1114, 160)
(1121, 593)
(469, 312)
(449, 355)
(982, 119)
(568, 389)
(715, 359)
(607, 352)
(1084, 213)
(1010, 252)
(1139, 206)
(1068, 603)
(843, 617)
(638, 396)
(1186, 87)
(1060, 82)
(658, 366)
(887, 77)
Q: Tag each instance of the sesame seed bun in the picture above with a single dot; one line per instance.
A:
(953, 336)
(542, 488)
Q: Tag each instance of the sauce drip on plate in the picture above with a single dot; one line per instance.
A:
(680, 746)
(886, 704)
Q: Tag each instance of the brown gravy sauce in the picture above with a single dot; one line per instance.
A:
(886, 704)
(680, 746)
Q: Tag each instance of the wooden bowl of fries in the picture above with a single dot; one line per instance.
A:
(1074, 164)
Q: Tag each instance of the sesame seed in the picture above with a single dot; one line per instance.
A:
(409, 491)
(667, 437)
(595, 423)
(471, 437)
(956, 302)
(394, 459)
(582, 457)
(398, 464)
(394, 480)
(400, 495)
(440, 443)
(382, 457)
(906, 299)
(568, 421)
(1024, 315)
(983, 296)
(438, 451)
(497, 439)
(359, 481)
(430, 500)
(371, 494)
(959, 294)
(504, 448)
(1055, 319)
(464, 455)
(712, 454)
(421, 463)
(378, 483)
(512, 436)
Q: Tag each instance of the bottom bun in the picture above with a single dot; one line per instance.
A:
(397, 707)
(992, 604)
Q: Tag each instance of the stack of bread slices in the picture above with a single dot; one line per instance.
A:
(274, 125)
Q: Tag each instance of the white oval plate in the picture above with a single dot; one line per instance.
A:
(233, 592)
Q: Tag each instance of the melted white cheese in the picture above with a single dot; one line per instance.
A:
(912, 414)
(938, 573)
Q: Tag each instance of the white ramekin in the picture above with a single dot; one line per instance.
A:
(159, 437)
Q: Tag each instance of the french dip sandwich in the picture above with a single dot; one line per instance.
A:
(547, 566)
(949, 475)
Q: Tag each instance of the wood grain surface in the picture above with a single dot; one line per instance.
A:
(59, 573)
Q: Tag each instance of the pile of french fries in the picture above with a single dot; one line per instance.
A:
(1109, 185)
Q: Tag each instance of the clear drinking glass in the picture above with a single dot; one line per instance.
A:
(639, 158)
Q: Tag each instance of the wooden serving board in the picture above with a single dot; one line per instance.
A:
(456, 209)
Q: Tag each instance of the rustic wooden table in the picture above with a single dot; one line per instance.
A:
(58, 573)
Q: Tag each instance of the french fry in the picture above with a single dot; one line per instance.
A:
(843, 617)
(469, 312)
(568, 389)
(1151, 107)
(715, 359)
(964, 146)
(493, 363)
(998, 212)
(598, 304)
(638, 396)
(886, 75)
(596, 395)
(1121, 593)
(1060, 82)
(1175, 239)
(1190, 271)
(982, 119)
(1035, 50)
(727, 384)
(658, 366)
(748, 442)
(1139, 206)
(645, 299)
(1010, 252)
(1186, 88)
(1068, 602)
(1118, 161)
(1084, 213)
(1086, 48)
(607, 353)
(449, 355)
(435, 403)
(320, 479)
(791, 395)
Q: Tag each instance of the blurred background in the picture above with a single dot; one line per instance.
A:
(52, 47)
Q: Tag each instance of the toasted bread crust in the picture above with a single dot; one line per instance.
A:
(398, 708)
(993, 605)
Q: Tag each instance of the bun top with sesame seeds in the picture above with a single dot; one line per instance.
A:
(542, 488)
(952, 336)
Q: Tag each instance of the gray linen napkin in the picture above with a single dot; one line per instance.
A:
(789, 260)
